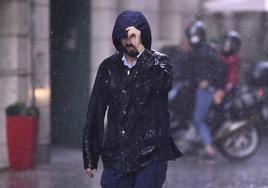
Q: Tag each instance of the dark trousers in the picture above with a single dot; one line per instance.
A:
(152, 176)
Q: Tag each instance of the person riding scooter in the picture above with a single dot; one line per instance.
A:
(230, 48)
(208, 76)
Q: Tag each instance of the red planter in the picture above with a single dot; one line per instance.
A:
(21, 138)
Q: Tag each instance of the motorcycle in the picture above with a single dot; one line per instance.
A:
(237, 124)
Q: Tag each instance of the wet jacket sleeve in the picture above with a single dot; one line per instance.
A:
(158, 69)
(94, 125)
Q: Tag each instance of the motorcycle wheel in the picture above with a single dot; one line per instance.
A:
(242, 144)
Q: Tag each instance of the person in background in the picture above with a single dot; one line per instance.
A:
(133, 84)
(208, 76)
(230, 48)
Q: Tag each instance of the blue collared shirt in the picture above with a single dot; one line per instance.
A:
(124, 60)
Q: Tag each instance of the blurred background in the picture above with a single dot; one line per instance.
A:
(50, 52)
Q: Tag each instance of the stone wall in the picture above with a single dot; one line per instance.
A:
(24, 46)
(22, 43)
(15, 62)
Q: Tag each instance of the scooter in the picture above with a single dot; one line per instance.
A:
(236, 124)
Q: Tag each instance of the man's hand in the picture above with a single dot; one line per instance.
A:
(218, 96)
(90, 172)
(134, 36)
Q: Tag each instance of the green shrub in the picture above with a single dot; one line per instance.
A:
(20, 109)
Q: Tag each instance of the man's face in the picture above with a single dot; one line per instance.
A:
(128, 48)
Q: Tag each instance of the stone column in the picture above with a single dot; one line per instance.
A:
(14, 62)
(175, 17)
(103, 15)
(171, 26)
(41, 64)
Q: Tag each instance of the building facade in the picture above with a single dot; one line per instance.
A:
(53, 49)
(25, 35)
(24, 50)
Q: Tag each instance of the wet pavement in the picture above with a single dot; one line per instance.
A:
(65, 171)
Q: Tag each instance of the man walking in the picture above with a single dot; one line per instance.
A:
(133, 85)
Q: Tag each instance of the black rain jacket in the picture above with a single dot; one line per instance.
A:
(206, 64)
(137, 102)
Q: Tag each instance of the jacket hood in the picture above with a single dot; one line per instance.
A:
(129, 18)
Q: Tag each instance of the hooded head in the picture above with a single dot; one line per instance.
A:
(129, 18)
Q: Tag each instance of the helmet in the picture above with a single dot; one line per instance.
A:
(258, 75)
(231, 43)
(196, 33)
